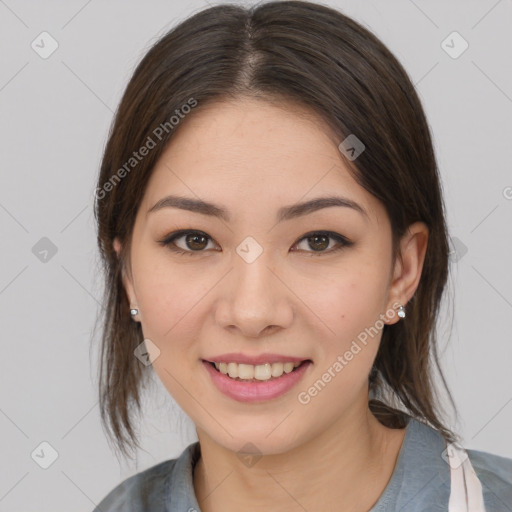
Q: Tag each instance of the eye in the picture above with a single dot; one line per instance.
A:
(197, 241)
(319, 241)
(194, 241)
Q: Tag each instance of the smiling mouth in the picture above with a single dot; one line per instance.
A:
(256, 373)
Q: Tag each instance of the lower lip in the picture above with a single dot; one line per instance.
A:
(256, 391)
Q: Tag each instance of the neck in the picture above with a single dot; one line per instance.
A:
(347, 467)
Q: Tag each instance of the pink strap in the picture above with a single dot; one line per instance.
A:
(466, 489)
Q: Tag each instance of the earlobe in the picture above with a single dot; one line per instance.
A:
(117, 246)
(414, 255)
(127, 283)
(408, 271)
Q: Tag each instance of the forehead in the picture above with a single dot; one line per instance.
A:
(251, 152)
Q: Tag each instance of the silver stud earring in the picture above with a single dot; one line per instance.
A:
(401, 311)
(134, 312)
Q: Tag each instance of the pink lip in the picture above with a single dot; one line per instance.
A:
(254, 360)
(255, 391)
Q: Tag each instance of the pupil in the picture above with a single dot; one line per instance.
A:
(194, 239)
(316, 238)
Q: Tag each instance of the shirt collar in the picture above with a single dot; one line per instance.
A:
(419, 469)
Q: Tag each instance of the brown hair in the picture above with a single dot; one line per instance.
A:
(317, 58)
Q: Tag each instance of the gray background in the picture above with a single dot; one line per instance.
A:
(55, 114)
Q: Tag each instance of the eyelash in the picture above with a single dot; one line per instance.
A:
(168, 241)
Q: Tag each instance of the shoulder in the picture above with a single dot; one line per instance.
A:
(164, 486)
(421, 479)
(495, 475)
(140, 491)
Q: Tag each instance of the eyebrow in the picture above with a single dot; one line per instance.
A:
(284, 213)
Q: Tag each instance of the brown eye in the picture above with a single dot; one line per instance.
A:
(193, 241)
(317, 243)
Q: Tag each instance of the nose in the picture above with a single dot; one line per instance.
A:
(254, 298)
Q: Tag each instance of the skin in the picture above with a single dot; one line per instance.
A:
(252, 157)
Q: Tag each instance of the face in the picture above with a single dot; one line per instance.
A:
(313, 285)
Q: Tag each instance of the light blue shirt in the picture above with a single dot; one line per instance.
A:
(420, 481)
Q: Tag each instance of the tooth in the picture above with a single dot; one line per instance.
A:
(263, 371)
(260, 372)
(233, 370)
(277, 369)
(288, 367)
(246, 371)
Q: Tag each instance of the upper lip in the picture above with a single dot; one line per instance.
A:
(254, 360)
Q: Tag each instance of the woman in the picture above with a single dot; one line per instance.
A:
(271, 223)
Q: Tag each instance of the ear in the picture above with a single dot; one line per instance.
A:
(127, 282)
(407, 273)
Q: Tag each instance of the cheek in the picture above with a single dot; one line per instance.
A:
(345, 357)
(347, 305)
(171, 310)
(170, 302)
(349, 309)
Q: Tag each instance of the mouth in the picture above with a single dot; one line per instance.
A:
(256, 373)
(260, 383)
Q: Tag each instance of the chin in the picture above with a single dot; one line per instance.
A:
(255, 441)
